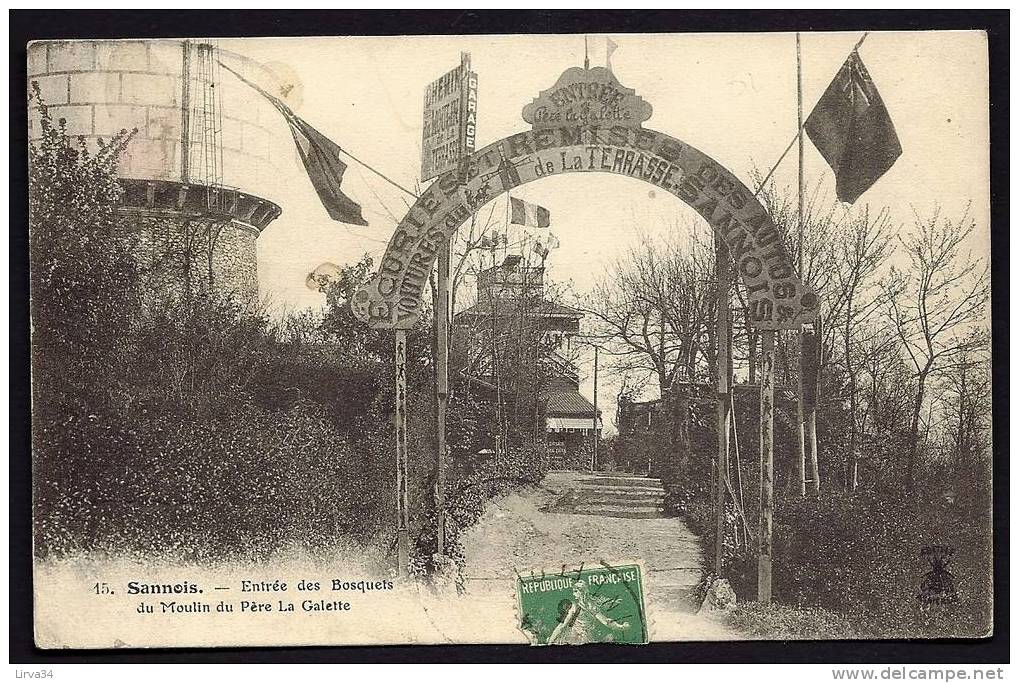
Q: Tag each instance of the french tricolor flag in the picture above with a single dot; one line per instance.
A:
(523, 213)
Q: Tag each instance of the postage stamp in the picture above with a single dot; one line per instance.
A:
(602, 604)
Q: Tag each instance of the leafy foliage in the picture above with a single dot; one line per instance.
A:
(478, 480)
(84, 278)
(852, 566)
(198, 427)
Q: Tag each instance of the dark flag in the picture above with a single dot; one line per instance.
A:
(321, 157)
(851, 128)
(810, 350)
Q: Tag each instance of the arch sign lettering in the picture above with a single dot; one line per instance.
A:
(589, 123)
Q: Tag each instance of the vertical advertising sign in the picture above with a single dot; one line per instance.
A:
(450, 120)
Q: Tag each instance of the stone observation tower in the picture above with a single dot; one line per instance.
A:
(204, 143)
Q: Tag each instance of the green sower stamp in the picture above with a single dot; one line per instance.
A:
(600, 605)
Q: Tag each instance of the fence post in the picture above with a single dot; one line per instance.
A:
(767, 465)
(402, 534)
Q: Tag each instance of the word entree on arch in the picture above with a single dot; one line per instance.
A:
(609, 140)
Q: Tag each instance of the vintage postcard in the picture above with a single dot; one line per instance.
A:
(524, 339)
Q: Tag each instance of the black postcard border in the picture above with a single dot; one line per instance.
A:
(27, 25)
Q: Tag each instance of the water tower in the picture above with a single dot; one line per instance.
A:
(206, 143)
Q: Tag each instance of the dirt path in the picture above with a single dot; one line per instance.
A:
(575, 518)
(571, 519)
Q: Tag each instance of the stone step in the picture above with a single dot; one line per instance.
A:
(632, 511)
(620, 491)
(603, 480)
(613, 499)
(596, 483)
(677, 596)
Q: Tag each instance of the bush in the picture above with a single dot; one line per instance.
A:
(191, 425)
(626, 454)
(474, 480)
(861, 556)
(194, 427)
(199, 445)
(246, 483)
(84, 278)
(782, 622)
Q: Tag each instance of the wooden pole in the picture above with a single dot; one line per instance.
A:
(402, 535)
(539, 433)
(185, 114)
(442, 315)
(442, 322)
(811, 415)
(767, 465)
(722, 274)
(594, 427)
(801, 453)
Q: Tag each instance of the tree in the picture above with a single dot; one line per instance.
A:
(653, 314)
(966, 398)
(653, 310)
(512, 345)
(935, 305)
(859, 255)
(84, 276)
(813, 248)
(362, 345)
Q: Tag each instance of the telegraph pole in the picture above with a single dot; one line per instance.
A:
(594, 430)
(722, 274)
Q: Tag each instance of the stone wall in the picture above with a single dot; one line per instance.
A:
(175, 258)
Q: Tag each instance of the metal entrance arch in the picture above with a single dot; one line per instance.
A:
(589, 123)
(778, 299)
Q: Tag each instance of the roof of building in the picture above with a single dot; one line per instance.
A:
(706, 392)
(545, 308)
(566, 401)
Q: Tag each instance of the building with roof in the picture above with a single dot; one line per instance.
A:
(668, 435)
(525, 355)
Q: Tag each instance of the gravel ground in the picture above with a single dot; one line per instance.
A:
(523, 532)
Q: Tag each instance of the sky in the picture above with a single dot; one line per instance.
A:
(733, 96)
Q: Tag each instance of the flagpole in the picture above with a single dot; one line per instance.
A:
(799, 138)
(380, 174)
(279, 103)
(801, 461)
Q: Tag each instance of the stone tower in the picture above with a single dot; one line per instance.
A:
(204, 140)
